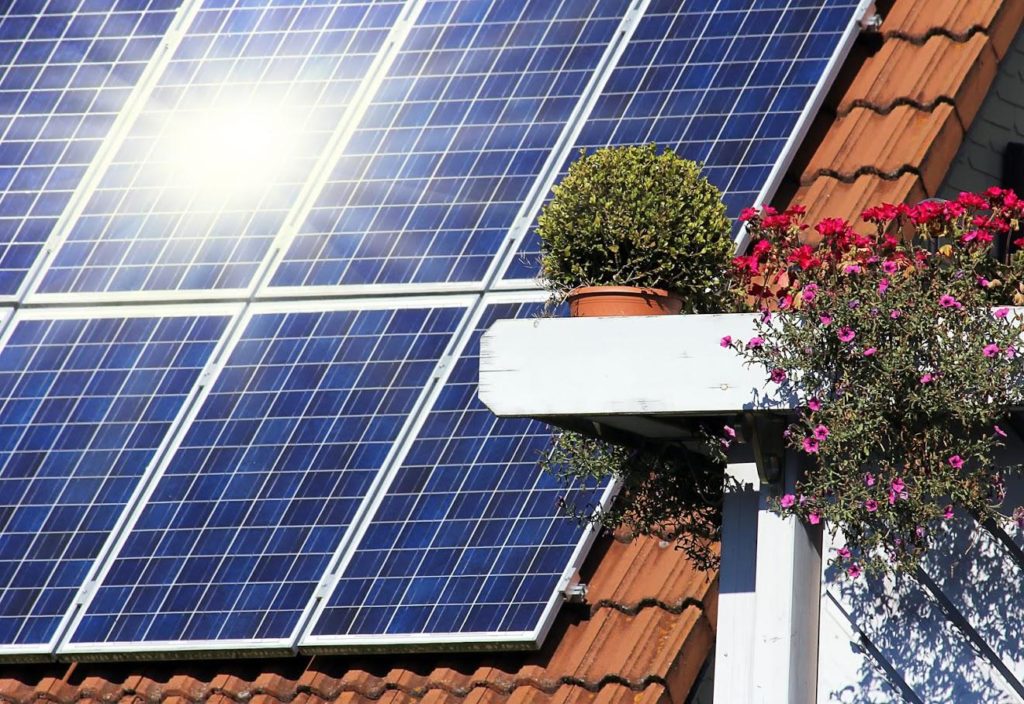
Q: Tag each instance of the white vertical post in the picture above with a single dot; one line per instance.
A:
(770, 578)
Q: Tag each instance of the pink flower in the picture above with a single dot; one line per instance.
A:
(897, 485)
(892, 497)
(778, 375)
(730, 432)
(870, 352)
(871, 505)
(851, 269)
(883, 285)
(956, 462)
(853, 570)
(787, 501)
(991, 350)
(1010, 352)
(814, 404)
(947, 301)
(755, 342)
(814, 518)
(927, 378)
(726, 341)
(821, 433)
(869, 479)
(889, 267)
(999, 431)
(810, 291)
(825, 319)
(810, 446)
(983, 282)
(843, 552)
(896, 314)
(947, 513)
(846, 334)
(1000, 312)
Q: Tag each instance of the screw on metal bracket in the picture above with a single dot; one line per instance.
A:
(871, 23)
(575, 593)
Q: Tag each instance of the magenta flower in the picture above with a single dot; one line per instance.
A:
(956, 462)
(869, 479)
(814, 518)
(889, 267)
(871, 505)
(947, 301)
(991, 350)
(1000, 312)
(729, 431)
(892, 497)
(853, 570)
(778, 375)
(810, 291)
(726, 341)
(766, 316)
(897, 485)
(755, 342)
(846, 334)
(870, 352)
(821, 433)
(814, 404)
(851, 269)
(810, 446)
(947, 513)
(825, 319)
(883, 286)
(787, 501)
(999, 431)
(844, 552)
(927, 378)
(983, 282)
(896, 314)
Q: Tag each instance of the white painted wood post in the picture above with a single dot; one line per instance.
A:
(767, 649)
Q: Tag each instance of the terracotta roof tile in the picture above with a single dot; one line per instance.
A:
(940, 70)
(916, 20)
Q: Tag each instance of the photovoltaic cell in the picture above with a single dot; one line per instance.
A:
(722, 82)
(440, 165)
(66, 70)
(84, 405)
(264, 485)
(470, 537)
(218, 155)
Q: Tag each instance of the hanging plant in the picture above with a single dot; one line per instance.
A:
(905, 356)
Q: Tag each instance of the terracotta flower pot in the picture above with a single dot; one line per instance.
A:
(597, 301)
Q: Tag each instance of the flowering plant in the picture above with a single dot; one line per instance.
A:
(898, 343)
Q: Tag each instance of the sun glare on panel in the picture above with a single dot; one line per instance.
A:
(223, 152)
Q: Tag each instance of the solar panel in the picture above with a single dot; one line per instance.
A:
(469, 542)
(85, 404)
(436, 172)
(66, 70)
(217, 157)
(723, 82)
(247, 513)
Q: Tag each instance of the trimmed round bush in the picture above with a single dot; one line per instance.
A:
(634, 216)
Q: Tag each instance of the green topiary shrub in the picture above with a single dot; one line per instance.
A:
(631, 216)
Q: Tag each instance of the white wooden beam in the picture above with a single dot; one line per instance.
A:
(605, 366)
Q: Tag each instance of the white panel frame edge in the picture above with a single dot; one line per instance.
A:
(309, 643)
(264, 646)
(49, 648)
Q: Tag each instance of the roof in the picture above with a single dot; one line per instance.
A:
(647, 605)
(889, 132)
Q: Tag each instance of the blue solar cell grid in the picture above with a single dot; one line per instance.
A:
(84, 405)
(264, 485)
(439, 167)
(218, 155)
(723, 83)
(66, 70)
(470, 537)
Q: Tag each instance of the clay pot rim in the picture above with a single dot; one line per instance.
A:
(583, 290)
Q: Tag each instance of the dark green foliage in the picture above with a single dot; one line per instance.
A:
(631, 216)
(666, 491)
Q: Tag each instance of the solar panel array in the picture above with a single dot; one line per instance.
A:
(248, 249)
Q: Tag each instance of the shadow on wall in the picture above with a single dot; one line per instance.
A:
(950, 634)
